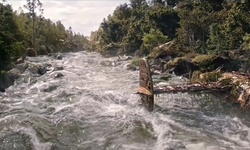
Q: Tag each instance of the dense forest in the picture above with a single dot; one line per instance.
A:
(195, 26)
(20, 30)
(215, 27)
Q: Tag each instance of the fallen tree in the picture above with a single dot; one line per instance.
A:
(196, 87)
(235, 83)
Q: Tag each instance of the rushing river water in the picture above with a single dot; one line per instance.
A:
(93, 107)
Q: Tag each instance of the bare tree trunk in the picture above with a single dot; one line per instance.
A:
(33, 27)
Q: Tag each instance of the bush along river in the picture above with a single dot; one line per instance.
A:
(85, 101)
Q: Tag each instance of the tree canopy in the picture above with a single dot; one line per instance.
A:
(212, 26)
(20, 30)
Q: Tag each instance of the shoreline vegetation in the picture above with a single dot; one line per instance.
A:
(26, 32)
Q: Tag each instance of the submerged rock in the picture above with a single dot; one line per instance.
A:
(22, 67)
(107, 63)
(33, 69)
(59, 75)
(42, 69)
(57, 68)
(38, 69)
(59, 57)
(50, 88)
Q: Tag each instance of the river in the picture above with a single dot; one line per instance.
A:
(92, 107)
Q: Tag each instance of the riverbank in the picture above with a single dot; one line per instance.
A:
(7, 78)
(227, 75)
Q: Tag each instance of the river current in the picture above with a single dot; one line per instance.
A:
(92, 107)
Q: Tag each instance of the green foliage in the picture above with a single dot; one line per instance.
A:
(9, 46)
(195, 18)
(134, 63)
(216, 41)
(19, 31)
(164, 19)
(202, 27)
(246, 43)
(237, 23)
(129, 23)
(50, 36)
(152, 39)
(32, 6)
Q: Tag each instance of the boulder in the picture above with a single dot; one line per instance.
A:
(13, 73)
(7, 79)
(212, 62)
(31, 52)
(181, 66)
(38, 69)
(42, 69)
(22, 67)
(33, 68)
(20, 60)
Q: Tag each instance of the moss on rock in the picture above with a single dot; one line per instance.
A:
(206, 77)
(210, 76)
(195, 76)
(205, 62)
(175, 62)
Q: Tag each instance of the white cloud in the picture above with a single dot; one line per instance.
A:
(83, 16)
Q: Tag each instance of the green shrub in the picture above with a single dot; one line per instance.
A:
(134, 63)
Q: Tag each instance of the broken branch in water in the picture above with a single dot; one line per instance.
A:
(236, 83)
(192, 88)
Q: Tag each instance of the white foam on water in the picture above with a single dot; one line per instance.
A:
(100, 97)
(38, 145)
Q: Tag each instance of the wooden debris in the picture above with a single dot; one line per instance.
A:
(213, 87)
(146, 85)
(235, 83)
(143, 90)
(244, 98)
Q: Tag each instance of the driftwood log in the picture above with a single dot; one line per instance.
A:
(237, 84)
(146, 85)
(195, 87)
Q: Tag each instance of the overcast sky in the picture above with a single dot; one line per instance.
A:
(83, 16)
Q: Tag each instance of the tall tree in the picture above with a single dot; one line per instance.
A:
(195, 18)
(32, 6)
(10, 46)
